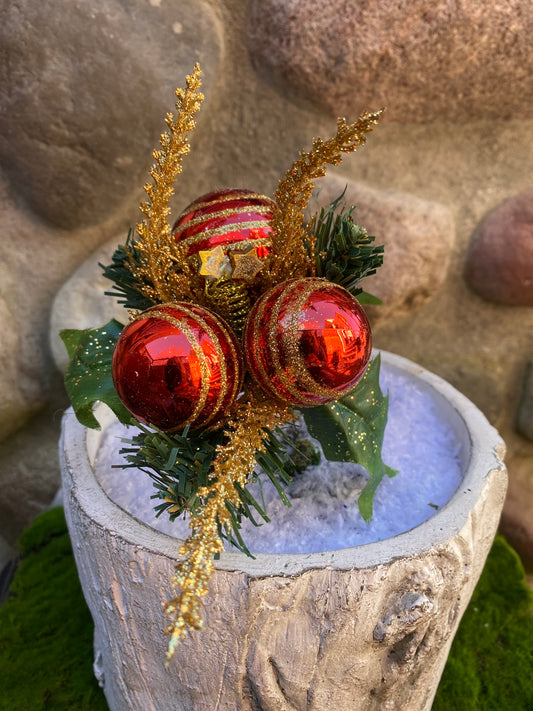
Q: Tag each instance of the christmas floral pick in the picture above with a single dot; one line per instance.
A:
(241, 316)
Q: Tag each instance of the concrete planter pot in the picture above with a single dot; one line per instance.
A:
(368, 627)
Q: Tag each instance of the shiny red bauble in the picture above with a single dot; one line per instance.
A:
(307, 342)
(226, 217)
(176, 365)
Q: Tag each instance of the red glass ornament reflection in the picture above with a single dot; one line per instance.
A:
(225, 217)
(177, 364)
(307, 342)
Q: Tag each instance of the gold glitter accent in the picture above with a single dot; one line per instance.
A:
(246, 265)
(234, 462)
(291, 338)
(230, 300)
(290, 256)
(163, 274)
(229, 212)
(201, 236)
(224, 198)
(236, 360)
(221, 360)
(214, 263)
(266, 379)
(294, 317)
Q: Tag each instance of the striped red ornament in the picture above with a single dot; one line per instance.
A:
(307, 342)
(231, 217)
(176, 365)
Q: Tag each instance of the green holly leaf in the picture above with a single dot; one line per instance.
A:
(352, 429)
(365, 298)
(88, 377)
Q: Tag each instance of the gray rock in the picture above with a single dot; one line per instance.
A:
(83, 94)
(29, 473)
(517, 516)
(424, 60)
(500, 262)
(418, 237)
(524, 417)
(35, 261)
(20, 393)
(81, 301)
(7, 555)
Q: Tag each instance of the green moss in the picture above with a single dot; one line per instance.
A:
(45, 628)
(490, 667)
(46, 634)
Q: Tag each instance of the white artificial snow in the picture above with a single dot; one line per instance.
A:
(324, 513)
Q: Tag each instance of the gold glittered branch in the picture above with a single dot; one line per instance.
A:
(290, 256)
(161, 274)
(234, 464)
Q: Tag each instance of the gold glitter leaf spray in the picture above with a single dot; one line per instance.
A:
(234, 463)
(162, 275)
(290, 256)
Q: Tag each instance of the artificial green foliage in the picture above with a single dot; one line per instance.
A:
(46, 631)
(344, 253)
(88, 377)
(46, 634)
(126, 287)
(179, 465)
(352, 428)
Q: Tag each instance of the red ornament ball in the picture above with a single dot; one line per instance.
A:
(176, 365)
(226, 217)
(307, 342)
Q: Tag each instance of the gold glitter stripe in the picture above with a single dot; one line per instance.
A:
(155, 313)
(261, 210)
(234, 226)
(223, 370)
(291, 344)
(291, 334)
(225, 198)
(221, 359)
(258, 320)
(236, 358)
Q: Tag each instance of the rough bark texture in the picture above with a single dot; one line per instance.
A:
(367, 628)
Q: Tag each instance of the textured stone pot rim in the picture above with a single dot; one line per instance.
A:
(482, 453)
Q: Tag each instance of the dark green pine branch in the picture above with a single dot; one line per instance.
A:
(344, 252)
(126, 288)
(179, 464)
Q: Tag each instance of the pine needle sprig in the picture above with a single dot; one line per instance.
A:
(126, 288)
(344, 253)
(161, 271)
(292, 244)
(179, 465)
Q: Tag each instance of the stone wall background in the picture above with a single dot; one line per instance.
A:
(445, 182)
